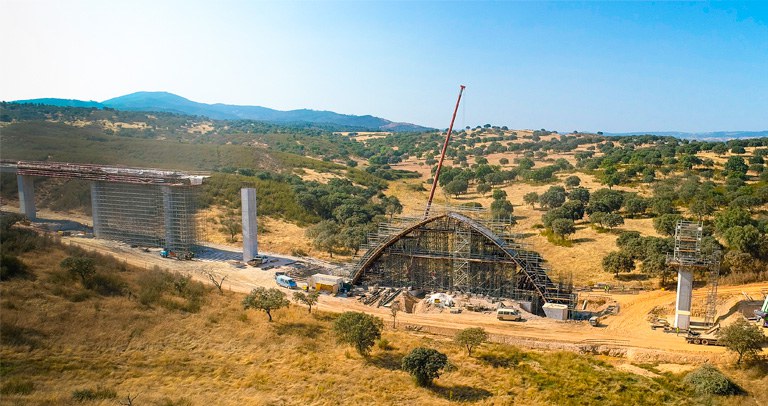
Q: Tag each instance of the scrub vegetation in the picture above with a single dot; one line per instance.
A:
(60, 337)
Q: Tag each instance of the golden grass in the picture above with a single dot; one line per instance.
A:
(226, 356)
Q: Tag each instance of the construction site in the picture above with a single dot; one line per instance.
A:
(459, 250)
(139, 206)
(452, 267)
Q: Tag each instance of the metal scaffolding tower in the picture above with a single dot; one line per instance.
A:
(145, 215)
(687, 258)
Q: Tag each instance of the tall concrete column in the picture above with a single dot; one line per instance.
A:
(26, 196)
(96, 209)
(684, 298)
(250, 225)
(170, 236)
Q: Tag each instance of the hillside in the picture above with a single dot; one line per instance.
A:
(171, 103)
(173, 341)
(339, 186)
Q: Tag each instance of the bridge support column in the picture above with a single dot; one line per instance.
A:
(684, 298)
(26, 196)
(171, 242)
(250, 225)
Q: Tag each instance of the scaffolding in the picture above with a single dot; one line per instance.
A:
(140, 206)
(452, 251)
(145, 215)
(688, 257)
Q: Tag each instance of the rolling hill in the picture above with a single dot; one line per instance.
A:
(171, 103)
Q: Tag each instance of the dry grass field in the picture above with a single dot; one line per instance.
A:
(57, 343)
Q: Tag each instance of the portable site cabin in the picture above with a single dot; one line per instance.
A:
(325, 283)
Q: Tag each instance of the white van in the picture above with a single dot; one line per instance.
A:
(508, 314)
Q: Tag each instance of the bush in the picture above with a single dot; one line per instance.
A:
(15, 386)
(12, 267)
(106, 284)
(157, 287)
(384, 344)
(709, 380)
(424, 364)
(99, 393)
(359, 330)
(743, 338)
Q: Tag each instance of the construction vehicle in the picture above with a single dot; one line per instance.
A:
(761, 317)
(594, 321)
(660, 323)
(708, 337)
(182, 256)
(762, 314)
(258, 260)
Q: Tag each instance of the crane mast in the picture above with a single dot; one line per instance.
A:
(442, 154)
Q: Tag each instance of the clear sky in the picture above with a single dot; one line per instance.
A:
(586, 66)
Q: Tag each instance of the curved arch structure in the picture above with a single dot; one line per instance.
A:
(454, 252)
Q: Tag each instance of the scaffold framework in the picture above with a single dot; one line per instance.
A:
(142, 206)
(688, 257)
(457, 249)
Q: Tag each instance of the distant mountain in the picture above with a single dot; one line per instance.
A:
(63, 102)
(171, 103)
(712, 136)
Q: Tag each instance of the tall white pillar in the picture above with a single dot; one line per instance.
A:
(26, 196)
(684, 298)
(168, 220)
(250, 225)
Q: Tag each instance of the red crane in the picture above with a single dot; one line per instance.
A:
(442, 154)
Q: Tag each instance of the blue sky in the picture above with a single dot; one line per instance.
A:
(587, 66)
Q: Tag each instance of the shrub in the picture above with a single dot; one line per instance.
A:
(424, 364)
(82, 395)
(359, 330)
(107, 284)
(708, 380)
(16, 386)
(12, 267)
(743, 338)
(157, 287)
(384, 344)
(84, 267)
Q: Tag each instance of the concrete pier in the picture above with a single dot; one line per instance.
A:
(168, 217)
(250, 225)
(684, 298)
(26, 196)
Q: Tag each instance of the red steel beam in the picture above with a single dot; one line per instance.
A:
(442, 154)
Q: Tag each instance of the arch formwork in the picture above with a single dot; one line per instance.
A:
(453, 252)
